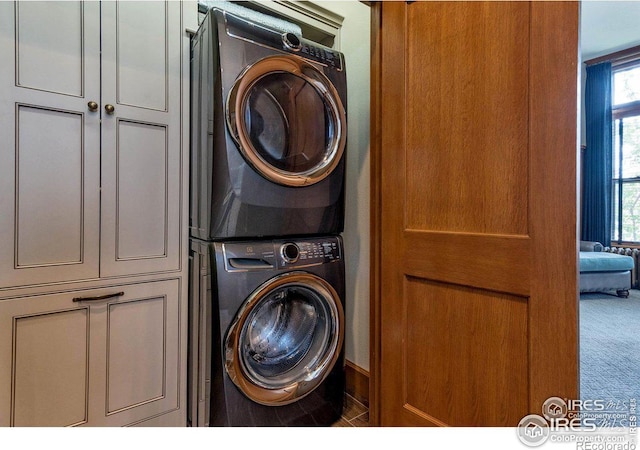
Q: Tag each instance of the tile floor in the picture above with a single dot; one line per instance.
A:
(355, 414)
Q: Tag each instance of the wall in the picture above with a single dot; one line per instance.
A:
(354, 42)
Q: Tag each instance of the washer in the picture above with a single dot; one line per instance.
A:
(273, 351)
(268, 132)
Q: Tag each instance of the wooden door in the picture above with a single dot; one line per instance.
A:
(49, 142)
(141, 146)
(477, 237)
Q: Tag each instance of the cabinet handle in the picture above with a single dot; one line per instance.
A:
(99, 297)
(109, 109)
(93, 106)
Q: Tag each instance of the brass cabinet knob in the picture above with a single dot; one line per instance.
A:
(93, 106)
(109, 109)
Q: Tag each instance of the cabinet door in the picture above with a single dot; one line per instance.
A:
(141, 138)
(136, 341)
(44, 361)
(110, 362)
(50, 146)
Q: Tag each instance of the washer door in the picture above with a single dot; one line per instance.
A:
(285, 339)
(288, 120)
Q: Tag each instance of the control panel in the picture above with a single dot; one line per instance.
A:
(281, 254)
(321, 54)
(311, 252)
(288, 42)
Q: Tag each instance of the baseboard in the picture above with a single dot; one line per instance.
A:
(357, 384)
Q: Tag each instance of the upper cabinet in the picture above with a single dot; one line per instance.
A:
(90, 173)
(50, 149)
(141, 137)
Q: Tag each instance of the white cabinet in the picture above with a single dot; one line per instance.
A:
(55, 224)
(93, 168)
(50, 145)
(141, 139)
(106, 360)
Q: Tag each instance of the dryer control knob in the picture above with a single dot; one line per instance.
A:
(290, 252)
(291, 41)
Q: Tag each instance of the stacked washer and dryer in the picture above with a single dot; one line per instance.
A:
(267, 206)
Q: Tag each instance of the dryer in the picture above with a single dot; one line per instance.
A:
(271, 348)
(268, 132)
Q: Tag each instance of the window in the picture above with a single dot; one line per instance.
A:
(626, 153)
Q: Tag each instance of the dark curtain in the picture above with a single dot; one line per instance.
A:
(596, 203)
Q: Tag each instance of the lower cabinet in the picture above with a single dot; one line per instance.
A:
(99, 357)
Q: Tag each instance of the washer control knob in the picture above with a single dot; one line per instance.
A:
(290, 252)
(291, 41)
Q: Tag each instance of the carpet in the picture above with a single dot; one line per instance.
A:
(610, 346)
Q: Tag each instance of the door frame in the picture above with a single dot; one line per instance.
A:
(375, 146)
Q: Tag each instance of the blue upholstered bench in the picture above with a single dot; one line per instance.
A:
(602, 271)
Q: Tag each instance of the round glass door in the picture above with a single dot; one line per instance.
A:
(285, 339)
(288, 121)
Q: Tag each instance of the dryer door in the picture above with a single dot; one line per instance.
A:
(285, 339)
(287, 120)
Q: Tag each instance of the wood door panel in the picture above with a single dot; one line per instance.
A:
(465, 354)
(463, 131)
(477, 211)
(553, 212)
(494, 262)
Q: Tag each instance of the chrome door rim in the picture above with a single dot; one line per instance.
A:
(236, 101)
(300, 388)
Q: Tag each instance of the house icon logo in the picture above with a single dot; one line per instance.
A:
(533, 430)
(554, 408)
